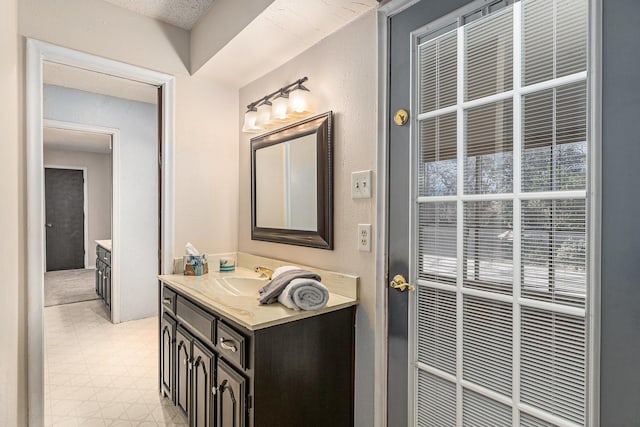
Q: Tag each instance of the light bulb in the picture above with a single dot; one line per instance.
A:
(299, 100)
(264, 114)
(279, 107)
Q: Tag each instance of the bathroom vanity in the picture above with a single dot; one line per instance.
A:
(227, 361)
(103, 272)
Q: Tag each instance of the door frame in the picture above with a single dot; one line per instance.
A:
(85, 208)
(386, 10)
(37, 53)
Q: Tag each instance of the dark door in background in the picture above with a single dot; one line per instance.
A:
(64, 213)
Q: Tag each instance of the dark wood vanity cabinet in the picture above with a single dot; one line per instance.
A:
(221, 374)
(103, 275)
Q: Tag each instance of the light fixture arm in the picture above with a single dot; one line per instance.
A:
(283, 90)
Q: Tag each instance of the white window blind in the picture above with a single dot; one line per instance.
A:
(500, 225)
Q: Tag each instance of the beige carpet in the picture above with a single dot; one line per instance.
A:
(68, 286)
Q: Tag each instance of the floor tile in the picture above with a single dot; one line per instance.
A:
(101, 374)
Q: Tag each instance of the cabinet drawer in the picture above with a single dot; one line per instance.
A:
(199, 320)
(168, 299)
(231, 345)
(103, 255)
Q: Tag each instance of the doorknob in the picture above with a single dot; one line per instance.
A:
(400, 283)
(49, 225)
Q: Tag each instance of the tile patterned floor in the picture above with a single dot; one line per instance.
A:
(101, 374)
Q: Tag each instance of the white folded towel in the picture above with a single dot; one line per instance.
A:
(304, 294)
(278, 271)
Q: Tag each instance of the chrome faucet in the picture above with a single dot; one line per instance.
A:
(264, 271)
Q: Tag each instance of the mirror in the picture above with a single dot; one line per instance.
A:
(292, 180)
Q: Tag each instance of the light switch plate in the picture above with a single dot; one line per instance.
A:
(364, 237)
(361, 184)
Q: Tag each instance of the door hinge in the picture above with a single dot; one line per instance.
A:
(249, 402)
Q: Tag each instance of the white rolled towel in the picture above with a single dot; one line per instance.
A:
(304, 294)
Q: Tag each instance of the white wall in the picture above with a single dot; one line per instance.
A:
(98, 191)
(137, 243)
(12, 354)
(342, 77)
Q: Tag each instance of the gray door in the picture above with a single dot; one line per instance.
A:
(486, 207)
(64, 198)
(400, 28)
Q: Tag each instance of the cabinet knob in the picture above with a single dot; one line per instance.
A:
(167, 300)
(223, 344)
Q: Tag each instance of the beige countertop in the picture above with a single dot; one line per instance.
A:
(245, 309)
(105, 244)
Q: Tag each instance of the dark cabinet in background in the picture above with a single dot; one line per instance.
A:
(223, 375)
(103, 275)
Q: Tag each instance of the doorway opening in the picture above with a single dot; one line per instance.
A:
(39, 54)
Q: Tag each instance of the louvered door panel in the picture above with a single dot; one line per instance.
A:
(438, 78)
(553, 363)
(554, 36)
(488, 164)
(554, 240)
(436, 405)
(488, 246)
(437, 256)
(488, 343)
(527, 420)
(437, 175)
(554, 152)
(489, 55)
(437, 333)
(481, 411)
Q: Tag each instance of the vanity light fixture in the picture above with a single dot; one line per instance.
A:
(299, 100)
(264, 113)
(280, 106)
(287, 103)
(250, 121)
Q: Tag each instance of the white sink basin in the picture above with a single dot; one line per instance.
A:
(241, 286)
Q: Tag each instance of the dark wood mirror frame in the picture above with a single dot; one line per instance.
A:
(322, 126)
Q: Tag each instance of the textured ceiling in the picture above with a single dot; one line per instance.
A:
(285, 29)
(71, 140)
(103, 84)
(181, 13)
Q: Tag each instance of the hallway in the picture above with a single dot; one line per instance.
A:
(101, 374)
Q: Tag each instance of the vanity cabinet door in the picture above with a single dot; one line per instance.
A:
(202, 390)
(107, 287)
(183, 369)
(97, 277)
(99, 273)
(168, 356)
(232, 397)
